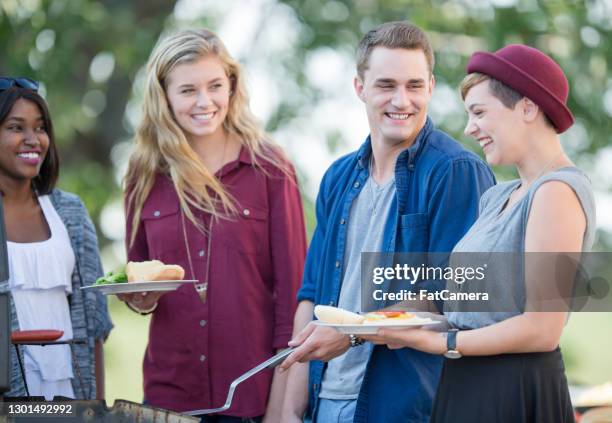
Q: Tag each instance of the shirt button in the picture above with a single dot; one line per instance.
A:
(246, 212)
(201, 253)
(156, 213)
(337, 264)
(202, 322)
(202, 357)
(356, 184)
(342, 221)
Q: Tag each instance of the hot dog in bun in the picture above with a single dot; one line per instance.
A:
(387, 317)
(339, 316)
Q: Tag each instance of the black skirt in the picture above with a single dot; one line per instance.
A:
(508, 388)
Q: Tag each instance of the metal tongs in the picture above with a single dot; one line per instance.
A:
(268, 364)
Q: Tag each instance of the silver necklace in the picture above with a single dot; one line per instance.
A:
(202, 287)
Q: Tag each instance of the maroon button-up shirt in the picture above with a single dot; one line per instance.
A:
(196, 349)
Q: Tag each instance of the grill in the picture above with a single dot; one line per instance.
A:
(96, 411)
(5, 324)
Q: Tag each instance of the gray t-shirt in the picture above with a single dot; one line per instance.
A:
(369, 211)
(505, 232)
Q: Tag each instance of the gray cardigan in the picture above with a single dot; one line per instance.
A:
(88, 310)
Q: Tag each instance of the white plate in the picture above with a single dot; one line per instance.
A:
(372, 328)
(144, 286)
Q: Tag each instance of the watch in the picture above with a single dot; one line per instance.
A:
(355, 341)
(451, 345)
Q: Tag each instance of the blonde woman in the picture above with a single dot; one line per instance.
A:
(207, 189)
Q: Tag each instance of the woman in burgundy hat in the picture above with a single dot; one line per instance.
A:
(505, 365)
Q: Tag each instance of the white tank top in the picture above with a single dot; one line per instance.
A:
(40, 279)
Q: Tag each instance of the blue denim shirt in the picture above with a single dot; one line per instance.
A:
(438, 186)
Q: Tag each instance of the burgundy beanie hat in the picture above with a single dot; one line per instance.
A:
(533, 74)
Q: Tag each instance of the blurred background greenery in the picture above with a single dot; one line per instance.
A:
(89, 56)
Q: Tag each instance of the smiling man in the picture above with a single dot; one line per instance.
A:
(408, 188)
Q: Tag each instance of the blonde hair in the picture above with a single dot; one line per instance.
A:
(162, 147)
(507, 95)
(469, 81)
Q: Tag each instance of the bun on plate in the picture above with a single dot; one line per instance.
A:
(337, 316)
(153, 270)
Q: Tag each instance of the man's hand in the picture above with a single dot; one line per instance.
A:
(316, 343)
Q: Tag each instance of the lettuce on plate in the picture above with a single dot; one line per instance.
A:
(112, 277)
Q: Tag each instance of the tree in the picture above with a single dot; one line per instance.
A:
(87, 55)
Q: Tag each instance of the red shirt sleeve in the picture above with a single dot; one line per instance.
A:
(138, 251)
(288, 244)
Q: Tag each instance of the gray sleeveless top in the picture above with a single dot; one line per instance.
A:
(505, 232)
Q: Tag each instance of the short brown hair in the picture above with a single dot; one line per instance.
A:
(393, 35)
(507, 95)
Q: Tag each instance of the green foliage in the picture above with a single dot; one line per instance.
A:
(572, 33)
(566, 30)
(56, 42)
(87, 55)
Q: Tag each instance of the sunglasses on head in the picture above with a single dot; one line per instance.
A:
(27, 83)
